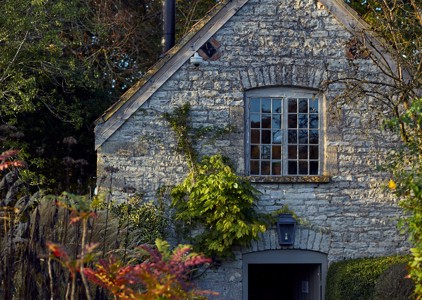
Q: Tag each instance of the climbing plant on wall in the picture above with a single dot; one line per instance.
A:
(213, 199)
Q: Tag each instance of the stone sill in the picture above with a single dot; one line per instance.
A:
(290, 179)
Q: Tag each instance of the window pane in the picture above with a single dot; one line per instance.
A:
(255, 136)
(255, 152)
(313, 152)
(255, 105)
(303, 105)
(277, 137)
(254, 167)
(266, 121)
(303, 121)
(266, 152)
(276, 121)
(313, 136)
(303, 136)
(255, 121)
(303, 168)
(313, 121)
(292, 168)
(292, 152)
(313, 168)
(292, 136)
(266, 105)
(313, 105)
(269, 118)
(266, 137)
(276, 153)
(292, 106)
(292, 121)
(265, 168)
(303, 152)
(276, 168)
(276, 106)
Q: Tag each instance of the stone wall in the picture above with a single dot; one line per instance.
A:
(270, 43)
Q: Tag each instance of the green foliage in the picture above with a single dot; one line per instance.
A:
(356, 278)
(179, 122)
(394, 284)
(145, 221)
(221, 204)
(406, 183)
(213, 198)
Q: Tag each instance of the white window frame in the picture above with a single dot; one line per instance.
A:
(284, 93)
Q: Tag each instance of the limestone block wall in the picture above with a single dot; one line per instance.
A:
(269, 43)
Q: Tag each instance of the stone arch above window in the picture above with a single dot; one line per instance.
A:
(283, 75)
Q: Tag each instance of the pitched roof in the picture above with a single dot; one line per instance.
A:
(140, 92)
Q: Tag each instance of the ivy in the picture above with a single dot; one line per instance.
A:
(213, 199)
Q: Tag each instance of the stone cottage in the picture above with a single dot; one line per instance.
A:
(261, 66)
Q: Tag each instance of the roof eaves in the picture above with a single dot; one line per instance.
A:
(160, 63)
(115, 117)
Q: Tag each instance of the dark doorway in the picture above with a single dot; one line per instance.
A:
(284, 282)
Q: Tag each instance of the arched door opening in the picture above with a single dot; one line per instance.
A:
(284, 281)
(284, 275)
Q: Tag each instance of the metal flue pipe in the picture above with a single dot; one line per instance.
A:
(169, 24)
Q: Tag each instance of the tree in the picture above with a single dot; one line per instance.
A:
(397, 100)
(62, 63)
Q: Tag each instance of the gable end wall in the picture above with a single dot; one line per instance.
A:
(269, 43)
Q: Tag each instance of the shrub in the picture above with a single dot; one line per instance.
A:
(394, 284)
(356, 279)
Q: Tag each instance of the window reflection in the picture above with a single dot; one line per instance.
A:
(276, 122)
(277, 136)
(303, 136)
(266, 152)
(292, 139)
(266, 105)
(255, 121)
(255, 105)
(303, 121)
(269, 118)
(313, 121)
(303, 105)
(276, 106)
(313, 105)
(313, 136)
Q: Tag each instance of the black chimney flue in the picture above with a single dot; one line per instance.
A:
(169, 24)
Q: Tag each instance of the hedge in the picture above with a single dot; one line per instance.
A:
(356, 279)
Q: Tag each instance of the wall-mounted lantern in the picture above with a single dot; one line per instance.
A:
(286, 226)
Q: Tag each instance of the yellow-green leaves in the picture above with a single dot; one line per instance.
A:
(220, 202)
